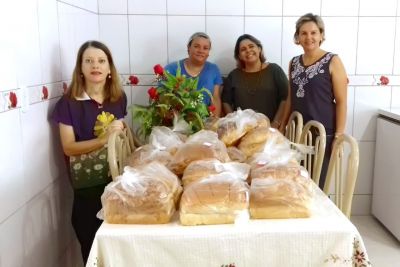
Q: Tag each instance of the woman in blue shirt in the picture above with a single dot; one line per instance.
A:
(196, 65)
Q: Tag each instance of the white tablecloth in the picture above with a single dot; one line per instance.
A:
(328, 238)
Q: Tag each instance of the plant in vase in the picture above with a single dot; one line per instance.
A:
(174, 102)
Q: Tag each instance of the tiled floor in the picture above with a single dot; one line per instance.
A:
(382, 247)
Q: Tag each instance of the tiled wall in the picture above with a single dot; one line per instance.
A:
(38, 44)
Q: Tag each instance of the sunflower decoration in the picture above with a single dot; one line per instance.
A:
(174, 102)
(104, 119)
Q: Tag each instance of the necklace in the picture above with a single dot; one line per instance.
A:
(252, 80)
(190, 71)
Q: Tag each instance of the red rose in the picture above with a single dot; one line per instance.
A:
(384, 80)
(45, 92)
(159, 70)
(153, 94)
(211, 108)
(13, 100)
(134, 80)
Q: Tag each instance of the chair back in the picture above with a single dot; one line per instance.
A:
(313, 134)
(344, 177)
(120, 146)
(294, 127)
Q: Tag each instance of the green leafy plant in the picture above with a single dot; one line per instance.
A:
(174, 102)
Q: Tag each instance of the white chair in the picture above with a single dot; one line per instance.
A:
(313, 134)
(344, 178)
(120, 146)
(294, 127)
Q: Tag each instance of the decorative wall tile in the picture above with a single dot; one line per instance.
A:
(269, 35)
(114, 33)
(178, 36)
(187, 7)
(236, 7)
(263, 8)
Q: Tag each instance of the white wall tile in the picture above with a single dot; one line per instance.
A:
(12, 187)
(154, 7)
(35, 129)
(86, 27)
(378, 8)
(236, 7)
(263, 8)
(8, 32)
(365, 168)
(396, 58)
(289, 48)
(338, 29)
(180, 28)
(299, 8)
(335, 8)
(269, 31)
(91, 5)
(28, 56)
(49, 41)
(395, 103)
(113, 7)
(187, 7)
(367, 102)
(375, 32)
(224, 32)
(147, 42)
(114, 33)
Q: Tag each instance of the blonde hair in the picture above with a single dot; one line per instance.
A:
(112, 87)
(309, 17)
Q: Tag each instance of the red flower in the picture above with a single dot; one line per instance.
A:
(13, 100)
(153, 94)
(384, 80)
(159, 70)
(134, 80)
(45, 92)
(211, 108)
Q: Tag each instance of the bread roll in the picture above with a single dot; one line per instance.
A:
(254, 141)
(215, 200)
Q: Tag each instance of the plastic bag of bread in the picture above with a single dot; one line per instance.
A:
(218, 199)
(200, 169)
(236, 154)
(281, 198)
(201, 145)
(163, 138)
(145, 195)
(236, 124)
(148, 153)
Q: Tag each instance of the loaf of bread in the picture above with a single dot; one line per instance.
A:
(144, 195)
(201, 169)
(254, 141)
(148, 153)
(279, 199)
(218, 199)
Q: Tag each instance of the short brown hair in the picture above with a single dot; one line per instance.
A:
(307, 18)
(112, 88)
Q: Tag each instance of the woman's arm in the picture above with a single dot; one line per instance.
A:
(287, 109)
(339, 81)
(217, 100)
(71, 147)
(278, 120)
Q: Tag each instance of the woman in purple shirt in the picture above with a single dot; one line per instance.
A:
(95, 87)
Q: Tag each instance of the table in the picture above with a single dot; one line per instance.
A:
(328, 238)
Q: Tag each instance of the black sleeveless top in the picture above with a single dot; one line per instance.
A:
(312, 91)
